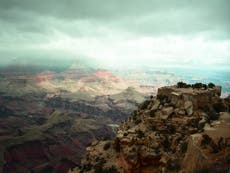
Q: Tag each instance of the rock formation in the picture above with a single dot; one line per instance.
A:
(48, 118)
(185, 130)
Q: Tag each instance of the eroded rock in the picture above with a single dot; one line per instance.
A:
(174, 133)
(188, 106)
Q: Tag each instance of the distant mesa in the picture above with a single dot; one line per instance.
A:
(108, 75)
(45, 76)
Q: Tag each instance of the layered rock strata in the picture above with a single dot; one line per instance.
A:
(183, 130)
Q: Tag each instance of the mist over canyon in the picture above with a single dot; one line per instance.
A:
(114, 86)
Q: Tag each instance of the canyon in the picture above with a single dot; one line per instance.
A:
(48, 118)
(183, 130)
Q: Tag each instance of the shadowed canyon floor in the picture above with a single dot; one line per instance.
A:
(48, 118)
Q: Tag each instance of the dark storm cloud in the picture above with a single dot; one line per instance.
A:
(110, 8)
(154, 30)
(150, 16)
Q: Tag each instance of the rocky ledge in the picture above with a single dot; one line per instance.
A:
(183, 129)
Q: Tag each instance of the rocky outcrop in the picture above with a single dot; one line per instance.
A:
(183, 130)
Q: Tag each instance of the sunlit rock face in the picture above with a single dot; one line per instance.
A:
(199, 98)
(182, 130)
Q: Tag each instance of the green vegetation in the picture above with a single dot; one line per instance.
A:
(108, 170)
(195, 86)
(116, 145)
(205, 140)
(220, 107)
(199, 86)
(152, 113)
(173, 165)
(99, 165)
(107, 146)
(134, 115)
(184, 147)
(138, 121)
(144, 105)
(183, 85)
(98, 168)
(87, 167)
(211, 85)
(140, 134)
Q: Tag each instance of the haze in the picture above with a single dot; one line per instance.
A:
(116, 33)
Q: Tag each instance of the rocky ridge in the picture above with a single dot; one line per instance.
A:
(182, 129)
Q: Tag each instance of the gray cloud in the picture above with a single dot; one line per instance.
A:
(30, 26)
(138, 15)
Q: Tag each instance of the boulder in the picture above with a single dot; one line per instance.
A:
(188, 106)
(155, 105)
(181, 112)
(201, 123)
(167, 111)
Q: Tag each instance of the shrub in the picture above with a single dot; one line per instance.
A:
(205, 140)
(106, 170)
(144, 105)
(106, 146)
(211, 85)
(220, 107)
(163, 99)
(86, 167)
(212, 114)
(111, 170)
(199, 86)
(134, 115)
(116, 145)
(166, 145)
(173, 165)
(138, 121)
(125, 134)
(204, 86)
(98, 169)
(184, 147)
(183, 85)
(152, 113)
(140, 134)
(99, 166)
(153, 127)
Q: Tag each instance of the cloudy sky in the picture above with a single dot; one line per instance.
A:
(118, 33)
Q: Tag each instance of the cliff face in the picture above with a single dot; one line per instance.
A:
(47, 119)
(182, 130)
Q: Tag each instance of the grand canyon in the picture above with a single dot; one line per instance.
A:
(114, 86)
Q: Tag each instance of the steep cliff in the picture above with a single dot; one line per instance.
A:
(182, 129)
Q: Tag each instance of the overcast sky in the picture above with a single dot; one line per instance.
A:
(117, 33)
